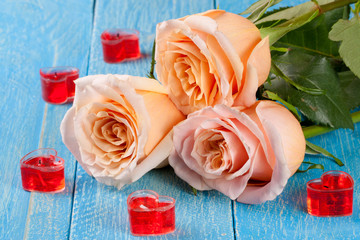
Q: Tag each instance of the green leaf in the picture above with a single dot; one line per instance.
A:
(312, 166)
(311, 151)
(275, 97)
(277, 32)
(324, 152)
(348, 32)
(258, 8)
(279, 49)
(357, 8)
(151, 73)
(259, 5)
(351, 88)
(310, 71)
(289, 13)
(313, 36)
(194, 190)
(278, 72)
(315, 130)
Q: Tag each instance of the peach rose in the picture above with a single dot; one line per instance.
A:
(247, 155)
(119, 127)
(211, 58)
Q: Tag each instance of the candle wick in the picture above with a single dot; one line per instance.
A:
(55, 74)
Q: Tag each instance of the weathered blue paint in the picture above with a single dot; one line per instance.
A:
(39, 33)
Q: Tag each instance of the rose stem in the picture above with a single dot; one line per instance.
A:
(335, 4)
(316, 130)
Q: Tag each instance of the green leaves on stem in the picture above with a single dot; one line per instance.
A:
(194, 190)
(312, 166)
(315, 63)
(313, 37)
(258, 9)
(348, 32)
(151, 73)
(350, 84)
(318, 150)
(311, 72)
(277, 32)
(314, 149)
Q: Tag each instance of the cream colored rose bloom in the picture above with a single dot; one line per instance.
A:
(119, 127)
(211, 58)
(247, 155)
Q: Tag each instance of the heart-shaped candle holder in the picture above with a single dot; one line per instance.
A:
(57, 84)
(150, 214)
(42, 171)
(330, 195)
(120, 45)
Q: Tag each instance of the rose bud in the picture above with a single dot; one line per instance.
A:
(247, 155)
(211, 58)
(119, 127)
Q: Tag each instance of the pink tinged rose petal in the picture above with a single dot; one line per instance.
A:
(185, 173)
(114, 129)
(280, 176)
(288, 128)
(245, 154)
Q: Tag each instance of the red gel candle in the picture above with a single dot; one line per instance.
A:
(57, 84)
(331, 195)
(42, 171)
(151, 214)
(120, 45)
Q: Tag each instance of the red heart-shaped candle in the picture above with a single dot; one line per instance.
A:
(150, 214)
(57, 84)
(120, 45)
(42, 171)
(330, 195)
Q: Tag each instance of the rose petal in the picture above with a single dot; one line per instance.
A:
(288, 128)
(155, 158)
(107, 129)
(260, 60)
(68, 137)
(185, 173)
(280, 176)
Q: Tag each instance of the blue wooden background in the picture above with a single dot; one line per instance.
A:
(41, 33)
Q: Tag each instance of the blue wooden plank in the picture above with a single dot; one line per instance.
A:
(286, 217)
(68, 28)
(240, 6)
(100, 211)
(36, 34)
(20, 108)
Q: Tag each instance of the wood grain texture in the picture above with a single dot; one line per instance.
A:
(67, 24)
(240, 6)
(39, 33)
(36, 34)
(100, 211)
